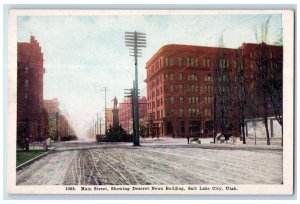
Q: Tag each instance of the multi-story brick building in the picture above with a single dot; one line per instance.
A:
(125, 112)
(59, 126)
(31, 116)
(180, 85)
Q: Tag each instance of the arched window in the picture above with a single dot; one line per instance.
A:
(192, 77)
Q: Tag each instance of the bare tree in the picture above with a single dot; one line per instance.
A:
(269, 78)
(222, 94)
(240, 99)
(262, 89)
(275, 88)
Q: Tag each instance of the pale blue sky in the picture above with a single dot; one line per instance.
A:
(83, 54)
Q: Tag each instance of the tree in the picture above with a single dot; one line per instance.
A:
(262, 89)
(275, 88)
(240, 99)
(222, 94)
(269, 79)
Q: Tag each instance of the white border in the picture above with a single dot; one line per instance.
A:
(288, 77)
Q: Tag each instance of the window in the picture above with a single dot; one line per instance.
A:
(192, 77)
(26, 69)
(172, 112)
(161, 113)
(192, 62)
(171, 88)
(171, 76)
(196, 62)
(209, 89)
(207, 78)
(207, 112)
(208, 99)
(166, 100)
(167, 76)
(180, 61)
(172, 100)
(204, 63)
(166, 62)
(26, 83)
(193, 100)
(171, 62)
(180, 76)
(180, 87)
(251, 66)
(208, 62)
(26, 95)
(181, 100)
(181, 112)
(187, 61)
(194, 88)
(193, 112)
(234, 64)
(167, 113)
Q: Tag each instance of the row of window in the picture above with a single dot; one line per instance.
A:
(194, 62)
(191, 77)
(189, 61)
(191, 112)
(192, 88)
(171, 100)
(170, 76)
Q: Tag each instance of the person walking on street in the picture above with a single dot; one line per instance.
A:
(188, 139)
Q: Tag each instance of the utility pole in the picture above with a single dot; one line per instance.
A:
(97, 129)
(105, 109)
(135, 41)
(130, 93)
(100, 124)
(57, 136)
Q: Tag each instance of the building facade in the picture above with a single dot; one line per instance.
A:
(181, 86)
(126, 115)
(31, 115)
(59, 127)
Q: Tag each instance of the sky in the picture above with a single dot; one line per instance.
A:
(84, 54)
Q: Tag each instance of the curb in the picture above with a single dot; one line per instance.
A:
(238, 147)
(21, 166)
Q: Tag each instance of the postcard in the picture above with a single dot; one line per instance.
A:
(185, 102)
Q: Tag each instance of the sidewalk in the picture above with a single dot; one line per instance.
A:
(208, 143)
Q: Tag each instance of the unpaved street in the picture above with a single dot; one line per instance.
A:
(123, 164)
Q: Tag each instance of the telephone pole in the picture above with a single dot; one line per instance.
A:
(136, 41)
(105, 109)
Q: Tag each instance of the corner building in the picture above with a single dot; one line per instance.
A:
(180, 87)
(32, 118)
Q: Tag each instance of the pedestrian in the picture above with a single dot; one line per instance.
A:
(188, 139)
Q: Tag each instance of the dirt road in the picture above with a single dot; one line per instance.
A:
(123, 164)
